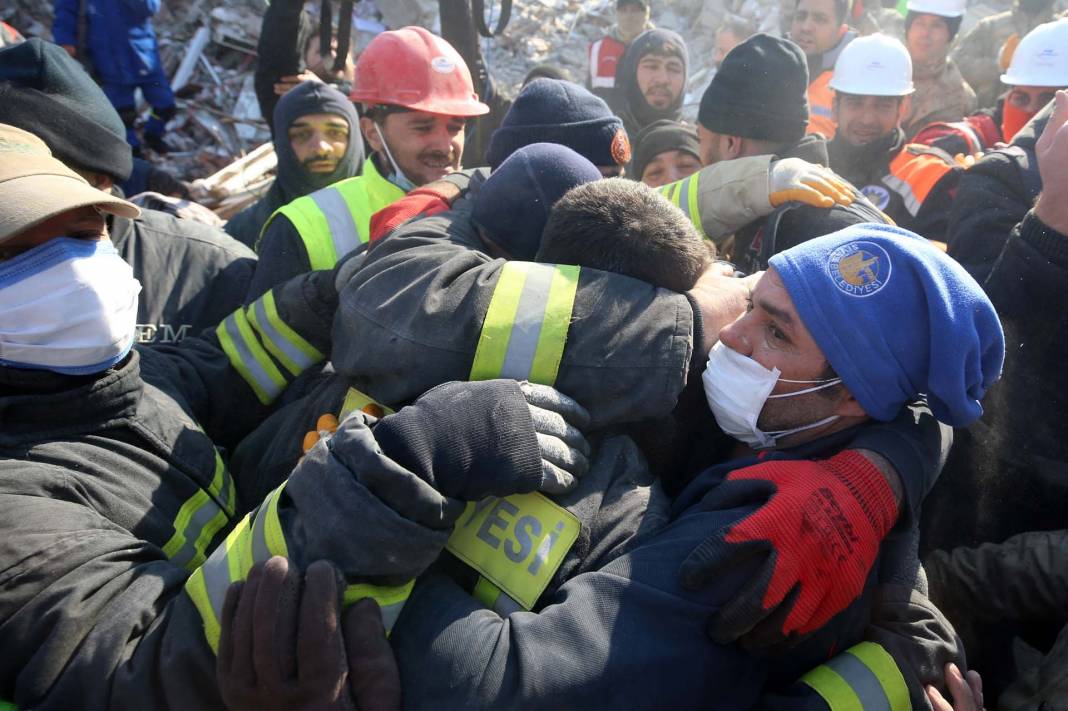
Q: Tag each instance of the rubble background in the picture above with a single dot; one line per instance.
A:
(208, 47)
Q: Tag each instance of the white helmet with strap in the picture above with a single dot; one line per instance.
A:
(1041, 59)
(876, 65)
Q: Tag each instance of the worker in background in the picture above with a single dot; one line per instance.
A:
(192, 275)
(756, 105)
(317, 142)
(665, 152)
(1038, 69)
(912, 184)
(941, 93)
(632, 18)
(985, 51)
(651, 80)
(730, 34)
(416, 93)
(819, 28)
(121, 46)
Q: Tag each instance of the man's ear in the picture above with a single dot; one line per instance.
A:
(733, 147)
(370, 135)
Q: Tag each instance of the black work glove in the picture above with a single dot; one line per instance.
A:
(281, 644)
(472, 440)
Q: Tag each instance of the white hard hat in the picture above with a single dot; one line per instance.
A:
(876, 65)
(944, 8)
(1041, 58)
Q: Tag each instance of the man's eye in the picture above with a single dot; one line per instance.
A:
(748, 304)
(776, 333)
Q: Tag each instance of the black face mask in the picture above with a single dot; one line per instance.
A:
(1034, 7)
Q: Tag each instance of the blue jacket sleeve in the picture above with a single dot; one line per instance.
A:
(65, 24)
(141, 9)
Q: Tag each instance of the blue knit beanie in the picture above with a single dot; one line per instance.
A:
(896, 319)
(556, 111)
(513, 205)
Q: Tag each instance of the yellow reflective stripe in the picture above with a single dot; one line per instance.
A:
(195, 504)
(833, 689)
(356, 400)
(252, 540)
(314, 230)
(555, 325)
(249, 358)
(390, 599)
(341, 225)
(885, 669)
(526, 324)
(693, 208)
(863, 677)
(486, 592)
(222, 486)
(285, 344)
(516, 542)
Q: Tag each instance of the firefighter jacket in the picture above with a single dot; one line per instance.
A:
(314, 231)
(429, 306)
(123, 526)
(191, 275)
(820, 93)
(912, 184)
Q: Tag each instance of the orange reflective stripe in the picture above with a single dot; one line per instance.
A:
(915, 175)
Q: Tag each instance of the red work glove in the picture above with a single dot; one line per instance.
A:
(817, 535)
(421, 202)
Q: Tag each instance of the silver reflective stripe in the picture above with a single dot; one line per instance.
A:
(255, 369)
(338, 217)
(260, 551)
(862, 680)
(684, 197)
(902, 188)
(267, 330)
(216, 571)
(197, 522)
(523, 342)
(390, 614)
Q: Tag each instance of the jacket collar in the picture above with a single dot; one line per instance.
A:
(37, 405)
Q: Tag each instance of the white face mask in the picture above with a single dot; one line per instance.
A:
(737, 387)
(68, 305)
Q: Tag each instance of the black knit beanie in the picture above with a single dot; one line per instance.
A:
(953, 23)
(44, 91)
(658, 137)
(760, 92)
(555, 111)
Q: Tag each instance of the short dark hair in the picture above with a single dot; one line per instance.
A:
(622, 226)
(738, 26)
(952, 23)
(643, 4)
(546, 71)
(842, 8)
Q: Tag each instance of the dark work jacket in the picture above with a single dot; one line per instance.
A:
(621, 631)
(247, 225)
(192, 275)
(992, 197)
(794, 223)
(868, 167)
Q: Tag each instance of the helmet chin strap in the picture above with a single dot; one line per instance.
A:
(401, 180)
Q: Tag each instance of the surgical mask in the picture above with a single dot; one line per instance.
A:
(398, 177)
(737, 387)
(69, 306)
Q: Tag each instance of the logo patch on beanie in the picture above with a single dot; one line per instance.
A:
(879, 196)
(442, 65)
(621, 147)
(859, 268)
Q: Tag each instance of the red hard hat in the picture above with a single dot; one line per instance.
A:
(414, 68)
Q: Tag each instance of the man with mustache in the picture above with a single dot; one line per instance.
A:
(416, 93)
(651, 80)
(317, 143)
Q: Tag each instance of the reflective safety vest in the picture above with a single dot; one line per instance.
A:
(914, 172)
(861, 678)
(683, 195)
(821, 106)
(264, 349)
(605, 54)
(336, 220)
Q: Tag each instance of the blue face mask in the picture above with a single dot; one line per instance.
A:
(69, 306)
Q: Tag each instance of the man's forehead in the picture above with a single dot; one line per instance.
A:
(320, 119)
(816, 6)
